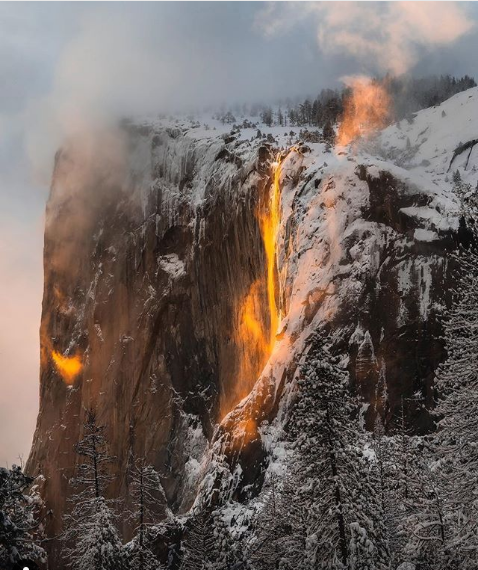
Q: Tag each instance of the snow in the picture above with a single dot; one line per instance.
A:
(421, 234)
(432, 218)
(433, 136)
(172, 265)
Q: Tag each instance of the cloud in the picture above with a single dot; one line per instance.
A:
(144, 59)
(130, 59)
(381, 36)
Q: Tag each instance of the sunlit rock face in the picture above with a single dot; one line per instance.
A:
(158, 283)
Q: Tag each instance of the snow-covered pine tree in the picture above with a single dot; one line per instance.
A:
(348, 519)
(384, 479)
(91, 538)
(456, 440)
(468, 198)
(282, 526)
(147, 493)
(395, 455)
(329, 134)
(267, 548)
(200, 548)
(425, 525)
(231, 554)
(20, 529)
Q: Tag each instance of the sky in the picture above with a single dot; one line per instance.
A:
(67, 66)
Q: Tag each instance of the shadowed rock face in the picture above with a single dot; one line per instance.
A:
(149, 254)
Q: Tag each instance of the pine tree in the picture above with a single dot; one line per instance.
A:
(200, 550)
(425, 524)
(398, 456)
(346, 507)
(91, 537)
(468, 197)
(456, 441)
(147, 494)
(329, 133)
(280, 117)
(266, 551)
(266, 116)
(20, 529)
(282, 526)
(230, 550)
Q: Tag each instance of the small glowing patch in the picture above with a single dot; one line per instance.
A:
(67, 366)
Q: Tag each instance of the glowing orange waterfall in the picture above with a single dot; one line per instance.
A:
(270, 221)
(256, 343)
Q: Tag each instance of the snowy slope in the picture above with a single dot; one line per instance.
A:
(426, 144)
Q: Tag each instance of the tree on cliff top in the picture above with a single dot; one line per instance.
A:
(91, 537)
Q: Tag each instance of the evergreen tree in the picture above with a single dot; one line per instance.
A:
(91, 537)
(425, 524)
(282, 527)
(348, 527)
(20, 530)
(329, 133)
(200, 548)
(266, 116)
(456, 441)
(148, 497)
(398, 455)
(231, 554)
(280, 118)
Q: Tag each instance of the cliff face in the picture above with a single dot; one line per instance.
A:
(147, 259)
(156, 291)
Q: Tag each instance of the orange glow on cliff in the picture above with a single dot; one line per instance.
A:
(366, 110)
(270, 221)
(68, 366)
(255, 341)
(250, 328)
(254, 345)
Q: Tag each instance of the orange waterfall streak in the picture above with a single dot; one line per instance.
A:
(270, 221)
(255, 341)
